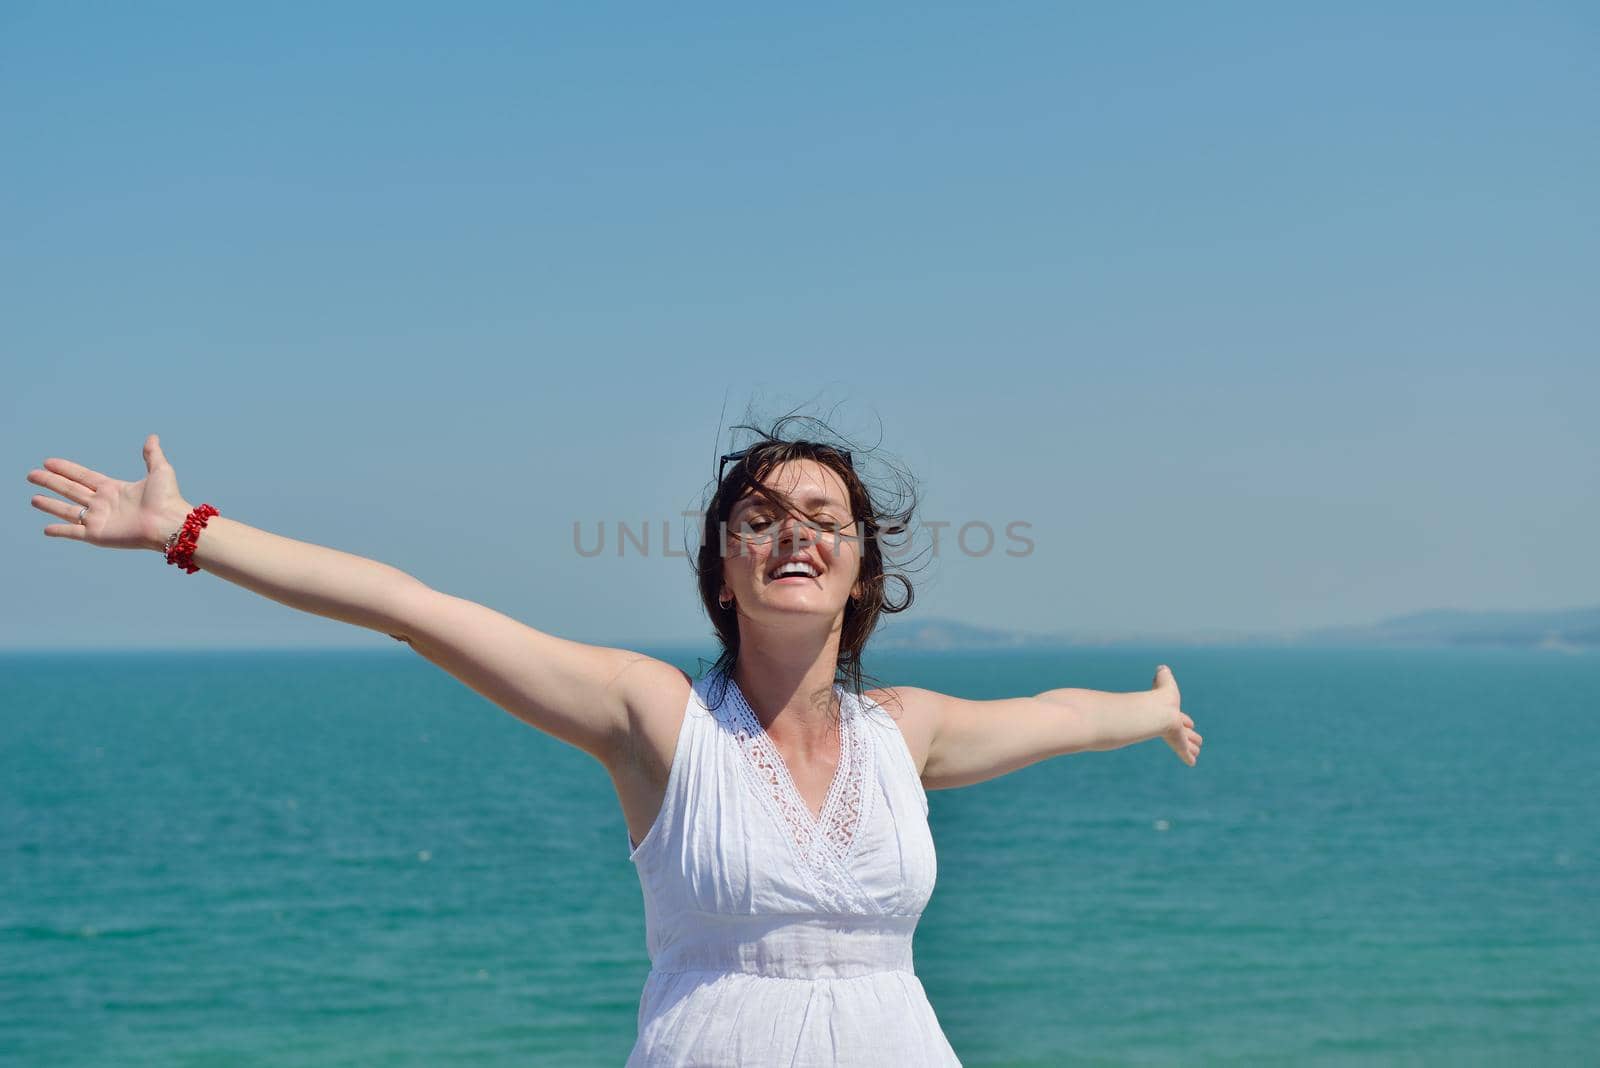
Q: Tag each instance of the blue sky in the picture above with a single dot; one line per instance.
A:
(1261, 318)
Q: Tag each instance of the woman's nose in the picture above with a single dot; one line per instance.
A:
(793, 529)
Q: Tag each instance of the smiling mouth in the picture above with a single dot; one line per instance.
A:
(797, 569)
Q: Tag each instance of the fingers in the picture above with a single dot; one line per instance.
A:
(92, 480)
(59, 509)
(72, 491)
(1187, 745)
(1189, 749)
(70, 531)
(153, 456)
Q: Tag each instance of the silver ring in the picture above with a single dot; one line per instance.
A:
(81, 513)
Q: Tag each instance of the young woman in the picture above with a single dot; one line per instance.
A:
(776, 811)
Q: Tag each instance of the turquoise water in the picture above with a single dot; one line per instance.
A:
(351, 859)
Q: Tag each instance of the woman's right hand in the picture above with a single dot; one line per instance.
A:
(121, 515)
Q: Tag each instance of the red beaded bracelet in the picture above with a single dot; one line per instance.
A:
(181, 544)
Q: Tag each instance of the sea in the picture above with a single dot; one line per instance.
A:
(232, 859)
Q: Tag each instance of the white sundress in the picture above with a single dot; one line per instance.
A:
(777, 937)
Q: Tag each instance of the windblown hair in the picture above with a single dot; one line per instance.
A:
(881, 515)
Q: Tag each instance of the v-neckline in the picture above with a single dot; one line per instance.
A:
(766, 742)
(772, 772)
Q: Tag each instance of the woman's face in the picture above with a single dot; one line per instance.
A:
(759, 541)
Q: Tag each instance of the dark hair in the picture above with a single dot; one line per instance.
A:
(878, 513)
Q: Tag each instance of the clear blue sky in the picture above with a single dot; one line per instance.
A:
(1263, 318)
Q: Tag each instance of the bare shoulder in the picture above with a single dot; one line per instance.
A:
(913, 711)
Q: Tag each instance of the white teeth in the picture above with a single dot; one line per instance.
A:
(795, 568)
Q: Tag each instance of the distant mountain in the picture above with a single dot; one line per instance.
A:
(1572, 629)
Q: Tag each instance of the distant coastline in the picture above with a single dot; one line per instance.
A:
(1567, 630)
(1575, 630)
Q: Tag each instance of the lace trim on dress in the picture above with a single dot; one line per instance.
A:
(825, 841)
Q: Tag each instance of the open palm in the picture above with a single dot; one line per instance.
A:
(118, 515)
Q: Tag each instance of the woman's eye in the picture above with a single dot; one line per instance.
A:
(826, 524)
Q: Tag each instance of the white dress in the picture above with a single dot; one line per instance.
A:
(777, 937)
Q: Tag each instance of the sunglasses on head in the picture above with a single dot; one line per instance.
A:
(742, 453)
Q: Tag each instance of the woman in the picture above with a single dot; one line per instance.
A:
(777, 818)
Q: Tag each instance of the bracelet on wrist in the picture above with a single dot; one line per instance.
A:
(181, 544)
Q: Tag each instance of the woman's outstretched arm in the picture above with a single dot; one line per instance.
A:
(585, 695)
(961, 742)
(141, 515)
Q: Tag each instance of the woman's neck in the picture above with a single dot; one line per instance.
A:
(790, 689)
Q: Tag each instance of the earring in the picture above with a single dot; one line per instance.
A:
(724, 605)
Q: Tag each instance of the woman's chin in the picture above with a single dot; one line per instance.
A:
(794, 609)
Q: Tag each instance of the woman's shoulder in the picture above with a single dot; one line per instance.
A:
(891, 703)
(901, 709)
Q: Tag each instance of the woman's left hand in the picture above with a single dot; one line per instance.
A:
(1181, 734)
